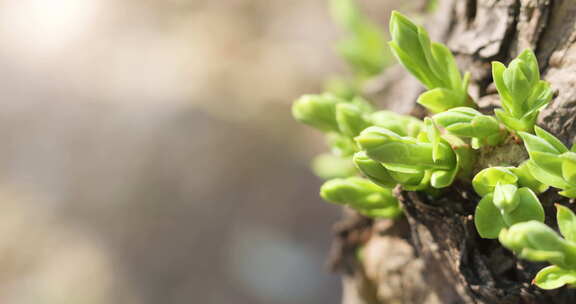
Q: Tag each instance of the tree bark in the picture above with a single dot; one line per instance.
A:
(434, 254)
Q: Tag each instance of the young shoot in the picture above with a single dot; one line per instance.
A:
(521, 91)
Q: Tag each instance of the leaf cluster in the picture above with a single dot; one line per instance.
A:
(376, 151)
(535, 241)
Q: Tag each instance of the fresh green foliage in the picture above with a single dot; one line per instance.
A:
(466, 122)
(553, 277)
(485, 181)
(402, 125)
(363, 195)
(318, 111)
(376, 151)
(374, 170)
(537, 242)
(411, 161)
(550, 161)
(507, 206)
(526, 179)
(365, 46)
(521, 91)
(504, 203)
(329, 166)
(431, 63)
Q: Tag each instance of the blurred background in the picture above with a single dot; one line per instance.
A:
(149, 154)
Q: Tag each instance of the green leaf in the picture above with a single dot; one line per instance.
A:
(389, 213)
(569, 167)
(488, 219)
(415, 178)
(373, 170)
(328, 166)
(486, 180)
(455, 115)
(535, 241)
(341, 145)
(446, 60)
(505, 197)
(391, 149)
(546, 177)
(518, 87)
(402, 125)
(441, 99)
(547, 161)
(405, 45)
(350, 119)
(443, 178)
(423, 184)
(525, 125)
(522, 92)
(498, 75)
(530, 65)
(541, 95)
(566, 222)
(569, 193)
(538, 143)
(411, 64)
(434, 138)
(357, 193)
(553, 141)
(431, 63)
(528, 208)
(526, 179)
(317, 111)
(553, 277)
(467, 122)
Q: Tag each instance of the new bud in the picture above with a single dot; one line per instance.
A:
(467, 122)
(373, 170)
(396, 151)
(358, 193)
(318, 111)
(486, 180)
(431, 63)
(522, 92)
(350, 119)
(535, 241)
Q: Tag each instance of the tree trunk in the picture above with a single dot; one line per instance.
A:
(434, 254)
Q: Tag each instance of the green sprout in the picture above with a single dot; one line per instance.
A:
(537, 242)
(351, 119)
(412, 161)
(374, 171)
(318, 111)
(389, 149)
(362, 195)
(466, 122)
(485, 181)
(526, 179)
(521, 91)
(431, 63)
(551, 162)
(402, 125)
(328, 166)
(506, 206)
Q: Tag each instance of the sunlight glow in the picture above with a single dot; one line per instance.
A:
(45, 25)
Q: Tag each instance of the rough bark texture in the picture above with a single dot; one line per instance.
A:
(434, 254)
